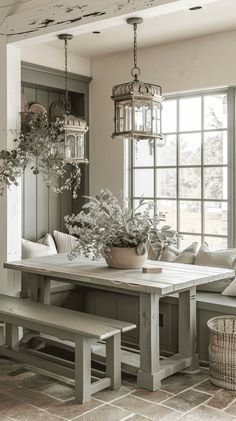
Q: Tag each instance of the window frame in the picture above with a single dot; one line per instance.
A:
(230, 165)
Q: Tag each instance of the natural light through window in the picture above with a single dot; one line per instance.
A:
(188, 177)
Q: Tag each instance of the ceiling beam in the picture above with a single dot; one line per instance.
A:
(9, 7)
(50, 18)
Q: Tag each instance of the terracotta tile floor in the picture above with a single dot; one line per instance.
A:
(30, 396)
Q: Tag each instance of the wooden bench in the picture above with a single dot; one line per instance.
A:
(81, 328)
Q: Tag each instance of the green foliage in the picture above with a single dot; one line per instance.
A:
(38, 147)
(106, 222)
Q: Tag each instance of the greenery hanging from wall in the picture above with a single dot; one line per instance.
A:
(38, 147)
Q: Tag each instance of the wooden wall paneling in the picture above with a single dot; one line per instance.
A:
(66, 208)
(165, 331)
(30, 206)
(29, 213)
(42, 97)
(105, 304)
(42, 223)
(54, 198)
(128, 310)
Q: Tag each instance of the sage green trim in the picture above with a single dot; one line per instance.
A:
(57, 72)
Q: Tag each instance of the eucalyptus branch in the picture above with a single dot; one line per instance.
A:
(37, 146)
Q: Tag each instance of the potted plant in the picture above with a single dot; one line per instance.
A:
(107, 227)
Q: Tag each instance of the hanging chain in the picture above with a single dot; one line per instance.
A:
(67, 104)
(135, 72)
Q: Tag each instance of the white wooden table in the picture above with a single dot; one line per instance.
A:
(175, 278)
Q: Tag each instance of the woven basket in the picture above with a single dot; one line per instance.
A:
(222, 351)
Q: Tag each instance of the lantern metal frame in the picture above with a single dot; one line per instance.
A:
(72, 126)
(135, 101)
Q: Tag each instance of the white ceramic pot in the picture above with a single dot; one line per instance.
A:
(125, 258)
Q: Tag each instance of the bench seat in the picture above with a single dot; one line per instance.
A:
(81, 328)
(216, 301)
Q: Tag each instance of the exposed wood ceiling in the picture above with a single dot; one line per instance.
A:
(43, 19)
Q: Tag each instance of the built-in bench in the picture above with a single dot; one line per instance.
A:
(80, 328)
(209, 304)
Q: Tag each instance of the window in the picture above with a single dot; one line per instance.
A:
(188, 177)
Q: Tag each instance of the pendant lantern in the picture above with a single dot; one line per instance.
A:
(73, 142)
(137, 105)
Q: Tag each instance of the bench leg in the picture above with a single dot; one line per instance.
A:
(113, 360)
(82, 369)
(12, 336)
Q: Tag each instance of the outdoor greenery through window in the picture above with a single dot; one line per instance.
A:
(188, 177)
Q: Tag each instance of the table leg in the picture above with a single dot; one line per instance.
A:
(187, 327)
(148, 375)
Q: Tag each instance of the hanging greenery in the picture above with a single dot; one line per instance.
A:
(38, 147)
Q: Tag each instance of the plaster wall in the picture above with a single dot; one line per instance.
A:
(194, 64)
(46, 55)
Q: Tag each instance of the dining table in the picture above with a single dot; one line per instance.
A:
(176, 279)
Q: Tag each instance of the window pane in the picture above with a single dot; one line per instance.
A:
(215, 218)
(190, 183)
(190, 114)
(215, 148)
(215, 111)
(166, 155)
(166, 182)
(170, 208)
(215, 183)
(143, 208)
(190, 149)
(190, 216)
(143, 183)
(143, 153)
(169, 116)
(187, 240)
(216, 243)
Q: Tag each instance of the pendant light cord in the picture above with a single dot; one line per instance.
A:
(135, 72)
(67, 104)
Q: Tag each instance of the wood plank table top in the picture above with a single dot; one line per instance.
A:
(174, 277)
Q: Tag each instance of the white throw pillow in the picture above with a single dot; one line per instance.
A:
(31, 249)
(217, 258)
(64, 242)
(174, 255)
(47, 240)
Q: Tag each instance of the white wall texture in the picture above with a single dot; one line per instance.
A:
(46, 55)
(194, 64)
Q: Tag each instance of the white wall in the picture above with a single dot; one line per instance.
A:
(46, 55)
(194, 64)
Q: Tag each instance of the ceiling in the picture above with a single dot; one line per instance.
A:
(215, 17)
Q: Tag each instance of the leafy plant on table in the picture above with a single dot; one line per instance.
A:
(106, 221)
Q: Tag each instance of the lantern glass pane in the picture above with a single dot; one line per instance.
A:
(123, 116)
(70, 146)
(156, 118)
(142, 116)
(80, 150)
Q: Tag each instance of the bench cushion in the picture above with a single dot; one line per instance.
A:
(216, 302)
